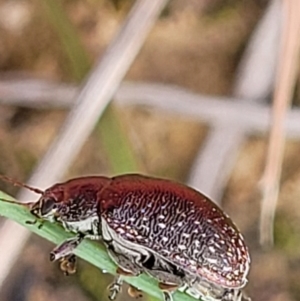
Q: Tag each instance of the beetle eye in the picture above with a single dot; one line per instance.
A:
(47, 206)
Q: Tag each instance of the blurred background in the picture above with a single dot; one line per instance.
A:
(191, 85)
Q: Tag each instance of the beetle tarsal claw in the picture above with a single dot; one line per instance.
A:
(245, 297)
(115, 287)
(68, 264)
(134, 292)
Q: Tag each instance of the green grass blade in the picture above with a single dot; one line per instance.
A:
(114, 140)
(79, 62)
(116, 144)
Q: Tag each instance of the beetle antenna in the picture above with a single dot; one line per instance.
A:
(17, 183)
(27, 205)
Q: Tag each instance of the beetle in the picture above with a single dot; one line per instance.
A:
(160, 227)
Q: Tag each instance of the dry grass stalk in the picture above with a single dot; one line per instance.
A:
(285, 82)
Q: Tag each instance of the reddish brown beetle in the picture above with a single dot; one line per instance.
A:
(160, 227)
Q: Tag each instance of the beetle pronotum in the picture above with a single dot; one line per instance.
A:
(159, 227)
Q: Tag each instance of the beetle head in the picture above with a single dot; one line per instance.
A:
(47, 206)
(44, 208)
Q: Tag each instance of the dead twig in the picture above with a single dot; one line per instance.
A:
(214, 162)
(285, 82)
(172, 99)
(255, 75)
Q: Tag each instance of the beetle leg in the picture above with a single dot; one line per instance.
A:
(66, 247)
(167, 290)
(235, 295)
(115, 287)
(125, 263)
(167, 296)
(169, 276)
(122, 272)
